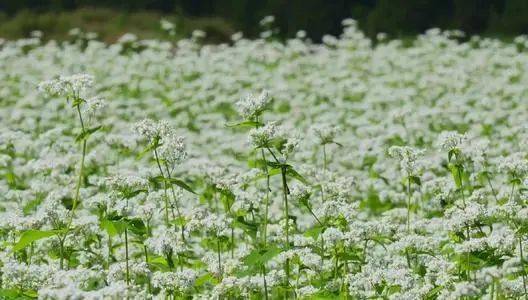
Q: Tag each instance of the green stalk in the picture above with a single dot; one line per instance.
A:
(287, 216)
(77, 187)
(409, 204)
(266, 204)
(81, 169)
(492, 189)
(126, 257)
(266, 201)
(461, 186)
(324, 172)
(219, 256)
(166, 198)
(522, 266)
(265, 283)
(61, 252)
(147, 261)
(176, 203)
(336, 266)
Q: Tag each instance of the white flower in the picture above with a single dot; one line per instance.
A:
(332, 236)
(409, 158)
(172, 149)
(515, 164)
(449, 140)
(72, 85)
(326, 133)
(251, 106)
(165, 242)
(180, 281)
(261, 137)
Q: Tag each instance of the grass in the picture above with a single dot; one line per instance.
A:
(108, 24)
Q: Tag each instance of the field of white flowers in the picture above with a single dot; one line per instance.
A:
(350, 169)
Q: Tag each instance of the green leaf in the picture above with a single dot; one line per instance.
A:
(159, 262)
(314, 232)
(275, 165)
(17, 294)
(84, 135)
(451, 153)
(175, 181)
(114, 227)
(258, 257)
(154, 145)
(207, 278)
(10, 293)
(416, 180)
(455, 170)
(249, 227)
(127, 194)
(137, 226)
(30, 236)
(271, 173)
(182, 184)
(294, 174)
(245, 124)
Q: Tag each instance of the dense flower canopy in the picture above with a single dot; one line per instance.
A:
(358, 168)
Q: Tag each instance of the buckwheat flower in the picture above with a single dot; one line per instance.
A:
(299, 193)
(307, 291)
(461, 290)
(152, 130)
(245, 201)
(267, 20)
(228, 284)
(127, 182)
(332, 236)
(252, 106)
(72, 85)
(513, 288)
(94, 105)
(291, 145)
(409, 158)
(179, 281)
(458, 218)
(439, 271)
(146, 211)
(325, 133)
(166, 25)
(261, 137)
(25, 277)
(198, 34)
(172, 149)
(341, 187)
(127, 38)
(515, 164)
(302, 241)
(165, 241)
(74, 31)
(117, 271)
(237, 36)
(211, 262)
(449, 140)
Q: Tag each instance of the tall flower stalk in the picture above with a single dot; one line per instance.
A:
(74, 88)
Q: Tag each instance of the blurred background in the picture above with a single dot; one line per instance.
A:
(221, 18)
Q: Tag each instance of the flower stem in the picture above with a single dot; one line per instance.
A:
(287, 216)
(176, 203)
(409, 204)
(166, 198)
(219, 256)
(522, 266)
(81, 169)
(126, 257)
